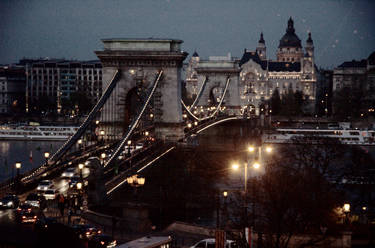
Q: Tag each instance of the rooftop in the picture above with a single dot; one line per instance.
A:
(142, 44)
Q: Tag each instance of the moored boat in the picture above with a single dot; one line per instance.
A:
(28, 132)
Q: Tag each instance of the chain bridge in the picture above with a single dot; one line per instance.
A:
(142, 104)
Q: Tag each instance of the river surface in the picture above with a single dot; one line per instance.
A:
(19, 151)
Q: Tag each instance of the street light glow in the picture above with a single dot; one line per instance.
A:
(268, 149)
(18, 165)
(79, 185)
(102, 155)
(46, 154)
(225, 193)
(346, 207)
(251, 149)
(80, 166)
(235, 166)
(256, 165)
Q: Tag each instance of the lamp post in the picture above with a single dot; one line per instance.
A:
(102, 133)
(102, 157)
(256, 165)
(346, 209)
(80, 167)
(46, 156)
(79, 189)
(79, 144)
(136, 182)
(18, 168)
(129, 143)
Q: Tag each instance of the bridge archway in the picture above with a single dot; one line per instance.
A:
(140, 61)
(133, 104)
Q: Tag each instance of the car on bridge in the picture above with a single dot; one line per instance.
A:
(9, 201)
(27, 217)
(34, 200)
(50, 194)
(68, 173)
(44, 185)
(24, 207)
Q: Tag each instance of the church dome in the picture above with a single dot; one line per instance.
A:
(290, 39)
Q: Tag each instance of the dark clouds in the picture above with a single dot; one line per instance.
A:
(341, 29)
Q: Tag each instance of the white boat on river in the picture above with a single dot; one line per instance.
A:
(13, 132)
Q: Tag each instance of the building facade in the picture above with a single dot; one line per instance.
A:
(57, 79)
(12, 89)
(294, 70)
(358, 77)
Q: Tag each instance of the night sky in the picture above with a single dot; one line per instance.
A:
(342, 30)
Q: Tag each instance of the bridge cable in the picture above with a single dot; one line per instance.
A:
(199, 93)
(73, 139)
(135, 122)
(217, 108)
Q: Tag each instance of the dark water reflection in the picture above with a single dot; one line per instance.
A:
(14, 151)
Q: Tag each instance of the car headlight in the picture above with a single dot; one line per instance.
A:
(1, 203)
(38, 187)
(10, 203)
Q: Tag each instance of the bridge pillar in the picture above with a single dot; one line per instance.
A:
(218, 72)
(140, 60)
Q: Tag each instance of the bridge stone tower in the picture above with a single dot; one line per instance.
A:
(139, 61)
(218, 71)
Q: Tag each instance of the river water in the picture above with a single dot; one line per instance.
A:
(19, 151)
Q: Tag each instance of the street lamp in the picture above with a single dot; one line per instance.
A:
(235, 166)
(129, 143)
(256, 165)
(251, 148)
(102, 133)
(268, 149)
(80, 167)
(135, 181)
(346, 209)
(18, 168)
(79, 144)
(102, 157)
(46, 156)
(79, 186)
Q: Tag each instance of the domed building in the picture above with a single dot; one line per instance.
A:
(293, 70)
(290, 49)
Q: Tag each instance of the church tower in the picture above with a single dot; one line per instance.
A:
(290, 49)
(308, 59)
(309, 46)
(261, 48)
